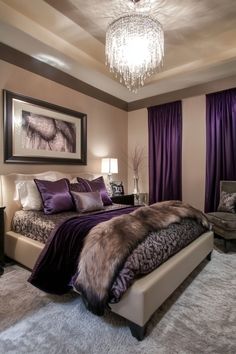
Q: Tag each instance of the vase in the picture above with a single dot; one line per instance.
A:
(136, 187)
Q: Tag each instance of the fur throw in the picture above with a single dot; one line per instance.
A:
(108, 244)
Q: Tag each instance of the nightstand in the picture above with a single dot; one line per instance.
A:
(1, 240)
(127, 199)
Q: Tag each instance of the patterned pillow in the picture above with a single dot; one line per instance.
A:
(227, 202)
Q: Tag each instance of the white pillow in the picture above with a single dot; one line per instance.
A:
(28, 195)
(27, 192)
(74, 180)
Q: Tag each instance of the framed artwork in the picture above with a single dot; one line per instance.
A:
(117, 188)
(38, 132)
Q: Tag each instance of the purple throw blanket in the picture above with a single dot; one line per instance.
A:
(58, 260)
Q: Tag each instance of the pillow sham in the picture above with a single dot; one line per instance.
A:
(28, 195)
(96, 184)
(73, 180)
(227, 202)
(87, 201)
(80, 187)
(55, 195)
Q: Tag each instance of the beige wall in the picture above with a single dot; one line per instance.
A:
(110, 133)
(138, 137)
(106, 125)
(193, 151)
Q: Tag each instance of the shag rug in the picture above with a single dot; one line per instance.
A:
(199, 317)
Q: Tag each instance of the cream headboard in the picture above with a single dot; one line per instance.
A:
(8, 187)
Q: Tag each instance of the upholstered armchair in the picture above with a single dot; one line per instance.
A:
(224, 219)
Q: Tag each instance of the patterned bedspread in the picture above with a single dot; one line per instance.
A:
(152, 252)
(38, 226)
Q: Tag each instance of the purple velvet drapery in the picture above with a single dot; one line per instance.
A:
(221, 144)
(165, 152)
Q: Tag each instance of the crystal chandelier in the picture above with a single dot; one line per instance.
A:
(134, 48)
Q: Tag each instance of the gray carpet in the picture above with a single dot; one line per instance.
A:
(200, 317)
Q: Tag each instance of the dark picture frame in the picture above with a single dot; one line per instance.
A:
(38, 132)
(117, 188)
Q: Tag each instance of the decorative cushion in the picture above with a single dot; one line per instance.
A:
(117, 188)
(28, 195)
(87, 201)
(96, 184)
(55, 195)
(227, 202)
(80, 187)
(73, 180)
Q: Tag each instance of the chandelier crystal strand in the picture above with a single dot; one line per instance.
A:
(134, 48)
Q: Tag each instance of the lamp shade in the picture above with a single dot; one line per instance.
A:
(109, 165)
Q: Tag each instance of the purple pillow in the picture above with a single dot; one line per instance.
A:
(55, 195)
(97, 184)
(80, 187)
(87, 201)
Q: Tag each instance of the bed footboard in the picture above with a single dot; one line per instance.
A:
(146, 295)
(22, 249)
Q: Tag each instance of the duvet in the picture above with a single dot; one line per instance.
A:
(100, 255)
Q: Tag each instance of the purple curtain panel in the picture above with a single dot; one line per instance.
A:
(220, 144)
(165, 152)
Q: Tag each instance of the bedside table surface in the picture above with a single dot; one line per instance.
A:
(127, 199)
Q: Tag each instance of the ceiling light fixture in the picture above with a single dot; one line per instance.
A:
(134, 47)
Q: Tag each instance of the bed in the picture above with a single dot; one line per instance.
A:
(145, 295)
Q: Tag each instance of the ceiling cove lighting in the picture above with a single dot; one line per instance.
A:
(134, 47)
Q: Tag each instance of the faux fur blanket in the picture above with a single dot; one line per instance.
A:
(108, 244)
(154, 250)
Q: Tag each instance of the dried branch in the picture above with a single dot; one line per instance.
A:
(137, 159)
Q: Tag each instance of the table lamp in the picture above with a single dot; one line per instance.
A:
(109, 165)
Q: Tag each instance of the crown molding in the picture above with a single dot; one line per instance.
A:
(202, 89)
(25, 61)
(15, 57)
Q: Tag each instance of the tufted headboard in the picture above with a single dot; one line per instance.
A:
(8, 188)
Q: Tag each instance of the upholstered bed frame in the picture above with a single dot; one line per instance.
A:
(147, 293)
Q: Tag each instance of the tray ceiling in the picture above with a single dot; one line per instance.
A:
(200, 39)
